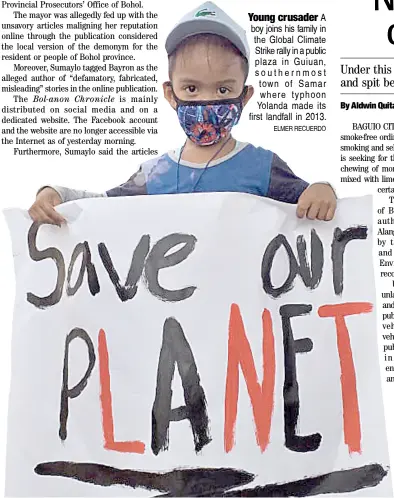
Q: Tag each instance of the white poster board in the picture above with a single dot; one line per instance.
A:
(195, 345)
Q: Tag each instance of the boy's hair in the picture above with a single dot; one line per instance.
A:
(208, 39)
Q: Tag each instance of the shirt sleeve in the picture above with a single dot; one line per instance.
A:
(69, 194)
(284, 185)
(135, 185)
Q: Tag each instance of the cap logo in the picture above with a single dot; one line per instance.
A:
(205, 12)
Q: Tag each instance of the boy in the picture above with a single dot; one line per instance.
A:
(208, 66)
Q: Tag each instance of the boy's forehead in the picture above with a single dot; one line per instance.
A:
(202, 58)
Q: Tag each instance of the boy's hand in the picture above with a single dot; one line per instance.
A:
(43, 211)
(317, 201)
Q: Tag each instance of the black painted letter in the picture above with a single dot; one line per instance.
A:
(337, 250)
(129, 289)
(311, 275)
(78, 388)
(37, 255)
(157, 260)
(266, 266)
(176, 349)
(86, 265)
(290, 388)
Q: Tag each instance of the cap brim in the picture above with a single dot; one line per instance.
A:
(203, 26)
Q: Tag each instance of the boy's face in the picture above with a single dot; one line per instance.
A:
(206, 72)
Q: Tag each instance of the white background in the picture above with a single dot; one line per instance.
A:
(353, 29)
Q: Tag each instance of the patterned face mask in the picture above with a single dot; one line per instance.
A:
(206, 122)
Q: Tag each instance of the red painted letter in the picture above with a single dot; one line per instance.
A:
(351, 414)
(261, 396)
(106, 405)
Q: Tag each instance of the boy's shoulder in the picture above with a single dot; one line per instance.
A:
(240, 151)
(264, 153)
(267, 158)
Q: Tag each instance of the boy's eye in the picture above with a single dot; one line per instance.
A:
(223, 90)
(191, 88)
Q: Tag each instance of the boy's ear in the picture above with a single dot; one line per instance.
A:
(168, 94)
(249, 94)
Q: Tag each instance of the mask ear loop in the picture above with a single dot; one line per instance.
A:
(243, 95)
(177, 100)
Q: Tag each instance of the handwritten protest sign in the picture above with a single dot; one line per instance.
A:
(195, 345)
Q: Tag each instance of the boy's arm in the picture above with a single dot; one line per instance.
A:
(50, 196)
(284, 185)
(135, 185)
(317, 200)
(70, 194)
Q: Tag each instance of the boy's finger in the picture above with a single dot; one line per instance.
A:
(47, 212)
(37, 214)
(42, 217)
(323, 211)
(52, 214)
(330, 213)
(313, 210)
(33, 213)
(302, 209)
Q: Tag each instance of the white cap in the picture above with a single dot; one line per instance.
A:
(208, 18)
